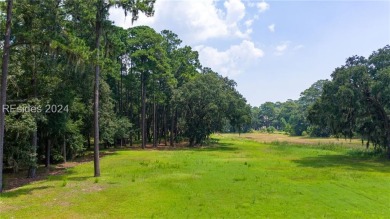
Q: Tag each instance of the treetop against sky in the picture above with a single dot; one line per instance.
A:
(273, 49)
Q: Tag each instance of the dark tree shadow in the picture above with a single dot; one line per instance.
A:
(22, 191)
(57, 172)
(347, 162)
(79, 178)
(215, 147)
(211, 145)
(61, 172)
(67, 176)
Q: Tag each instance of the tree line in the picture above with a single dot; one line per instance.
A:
(102, 85)
(289, 116)
(355, 102)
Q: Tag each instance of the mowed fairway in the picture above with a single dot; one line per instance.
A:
(236, 178)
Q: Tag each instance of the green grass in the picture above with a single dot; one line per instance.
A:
(237, 178)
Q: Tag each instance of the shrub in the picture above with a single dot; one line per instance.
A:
(271, 129)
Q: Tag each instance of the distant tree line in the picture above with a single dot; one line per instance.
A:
(291, 116)
(354, 103)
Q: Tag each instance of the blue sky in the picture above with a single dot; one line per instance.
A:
(273, 49)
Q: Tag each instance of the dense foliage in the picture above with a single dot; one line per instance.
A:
(152, 89)
(356, 102)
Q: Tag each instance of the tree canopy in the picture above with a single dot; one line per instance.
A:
(356, 100)
(96, 82)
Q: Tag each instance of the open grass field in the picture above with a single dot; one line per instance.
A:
(283, 138)
(239, 177)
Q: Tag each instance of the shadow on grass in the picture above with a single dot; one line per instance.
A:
(211, 145)
(215, 147)
(22, 191)
(68, 176)
(79, 178)
(88, 156)
(58, 172)
(346, 161)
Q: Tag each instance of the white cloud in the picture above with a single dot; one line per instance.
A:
(197, 21)
(232, 61)
(235, 11)
(271, 27)
(281, 48)
(194, 21)
(248, 23)
(262, 6)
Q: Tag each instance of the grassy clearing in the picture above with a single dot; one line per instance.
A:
(283, 138)
(238, 178)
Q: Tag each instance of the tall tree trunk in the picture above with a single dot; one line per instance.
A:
(172, 132)
(98, 32)
(149, 123)
(160, 124)
(64, 148)
(165, 125)
(118, 103)
(120, 95)
(139, 125)
(154, 124)
(48, 147)
(31, 173)
(143, 113)
(3, 96)
(129, 104)
(175, 127)
(130, 117)
(32, 168)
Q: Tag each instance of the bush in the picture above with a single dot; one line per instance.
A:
(271, 129)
